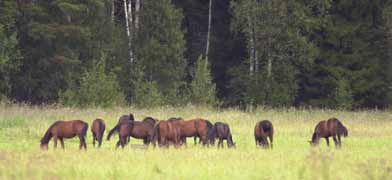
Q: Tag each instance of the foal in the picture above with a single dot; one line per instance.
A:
(65, 129)
(325, 129)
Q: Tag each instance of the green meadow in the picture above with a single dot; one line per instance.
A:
(365, 154)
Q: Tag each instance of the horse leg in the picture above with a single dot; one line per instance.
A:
(118, 144)
(336, 142)
(55, 141)
(271, 140)
(94, 138)
(327, 139)
(62, 142)
(339, 140)
(220, 143)
(100, 140)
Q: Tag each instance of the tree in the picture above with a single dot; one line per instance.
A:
(161, 47)
(9, 52)
(97, 89)
(202, 87)
(58, 40)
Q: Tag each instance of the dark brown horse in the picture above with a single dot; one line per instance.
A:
(264, 129)
(123, 119)
(325, 129)
(166, 133)
(65, 129)
(221, 131)
(194, 128)
(124, 129)
(98, 129)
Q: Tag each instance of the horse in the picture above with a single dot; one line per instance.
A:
(98, 129)
(264, 129)
(123, 119)
(325, 129)
(65, 129)
(221, 131)
(124, 129)
(143, 129)
(194, 128)
(166, 132)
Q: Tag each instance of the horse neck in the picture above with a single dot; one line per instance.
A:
(315, 138)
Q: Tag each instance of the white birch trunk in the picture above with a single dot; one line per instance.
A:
(128, 24)
(113, 10)
(137, 13)
(208, 32)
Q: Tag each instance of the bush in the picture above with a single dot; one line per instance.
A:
(202, 87)
(147, 94)
(97, 88)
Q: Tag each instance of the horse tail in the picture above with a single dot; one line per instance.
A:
(112, 131)
(84, 130)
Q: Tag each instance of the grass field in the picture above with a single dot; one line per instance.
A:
(365, 154)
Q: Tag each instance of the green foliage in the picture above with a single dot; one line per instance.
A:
(343, 96)
(147, 95)
(9, 52)
(160, 47)
(97, 89)
(202, 87)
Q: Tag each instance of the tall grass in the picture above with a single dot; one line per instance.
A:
(365, 154)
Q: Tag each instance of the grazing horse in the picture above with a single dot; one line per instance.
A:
(143, 129)
(166, 132)
(98, 129)
(124, 119)
(264, 129)
(194, 128)
(65, 129)
(221, 131)
(124, 129)
(325, 129)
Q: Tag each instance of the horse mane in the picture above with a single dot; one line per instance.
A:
(131, 117)
(46, 138)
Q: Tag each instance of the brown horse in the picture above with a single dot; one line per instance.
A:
(194, 128)
(98, 129)
(123, 119)
(143, 129)
(166, 132)
(221, 131)
(325, 129)
(264, 129)
(65, 129)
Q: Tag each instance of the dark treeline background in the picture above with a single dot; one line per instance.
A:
(278, 53)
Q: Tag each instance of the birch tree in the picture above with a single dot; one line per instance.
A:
(129, 26)
(208, 32)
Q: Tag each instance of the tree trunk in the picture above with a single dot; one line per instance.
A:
(113, 10)
(251, 47)
(137, 13)
(208, 32)
(128, 24)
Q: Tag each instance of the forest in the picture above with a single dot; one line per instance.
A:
(227, 53)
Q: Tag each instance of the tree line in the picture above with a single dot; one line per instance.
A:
(246, 53)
